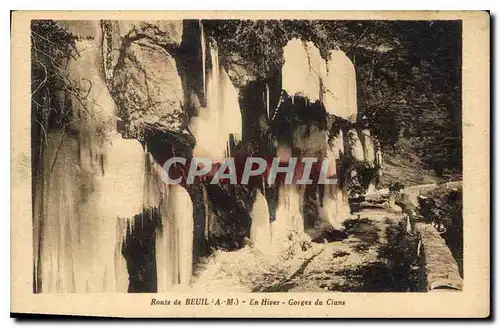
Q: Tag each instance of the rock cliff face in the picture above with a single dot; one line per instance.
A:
(147, 91)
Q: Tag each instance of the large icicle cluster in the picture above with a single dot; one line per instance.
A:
(332, 81)
(95, 182)
(214, 125)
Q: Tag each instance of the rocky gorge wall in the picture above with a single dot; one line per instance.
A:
(151, 90)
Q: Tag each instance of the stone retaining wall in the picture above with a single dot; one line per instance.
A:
(439, 270)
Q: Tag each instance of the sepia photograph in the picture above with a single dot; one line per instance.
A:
(268, 159)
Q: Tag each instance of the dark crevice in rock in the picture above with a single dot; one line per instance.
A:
(139, 251)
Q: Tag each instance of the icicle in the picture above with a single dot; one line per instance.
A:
(203, 58)
(184, 216)
(288, 213)
(174, 243)
(355, 145)
(121, 272)
(222, 117)
(90, 179)
(267, 100)
(318, 196)
(378, 154)
(340, 86)
(205, 204)
(368, 147)
(303, 69)
(260, 230)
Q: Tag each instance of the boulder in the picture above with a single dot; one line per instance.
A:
(355, 146)
(148, 89)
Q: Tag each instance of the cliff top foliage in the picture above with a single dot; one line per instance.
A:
(50, 47)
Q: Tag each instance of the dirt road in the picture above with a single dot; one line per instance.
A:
(377, 256)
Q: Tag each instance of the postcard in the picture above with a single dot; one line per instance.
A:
(250, 164)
